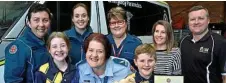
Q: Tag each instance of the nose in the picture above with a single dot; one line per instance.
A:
(94, 53)
(41, 23)
(59, 49)
(196, 21)
(80, 18)
(146, 63)
(158, 33)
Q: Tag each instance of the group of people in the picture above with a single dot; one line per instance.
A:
(79, 55)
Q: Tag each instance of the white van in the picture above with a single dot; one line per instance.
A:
(141, 17)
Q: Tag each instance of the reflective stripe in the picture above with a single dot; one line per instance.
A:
(58, 78)
(44, 68)
(48, 80)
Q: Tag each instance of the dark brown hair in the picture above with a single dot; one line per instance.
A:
(101, 39)
(80, 5)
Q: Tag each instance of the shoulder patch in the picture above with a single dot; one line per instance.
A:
(13, 49)
(120, 61)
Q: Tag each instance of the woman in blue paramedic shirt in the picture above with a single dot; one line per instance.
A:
(24, 55)
(99, 66)
(78, 32)
(123, 44)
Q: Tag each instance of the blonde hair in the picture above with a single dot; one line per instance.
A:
(117, 12)
(145, 48)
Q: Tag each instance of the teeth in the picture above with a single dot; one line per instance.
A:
(41, 30)
(146, 69)
(94, 59)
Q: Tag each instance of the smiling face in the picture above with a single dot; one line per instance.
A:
(145, 64)
(58, 49)
(95, 54)
(39, 23)
(80, 17)
(160, 35)
(118, 27)
(198, 21)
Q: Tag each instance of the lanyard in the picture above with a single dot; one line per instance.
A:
(118, 54)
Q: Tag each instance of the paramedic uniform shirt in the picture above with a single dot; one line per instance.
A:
(116, 69)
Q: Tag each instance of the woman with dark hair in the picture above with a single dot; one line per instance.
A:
(78, 32)
(99, 66)
(24, 55)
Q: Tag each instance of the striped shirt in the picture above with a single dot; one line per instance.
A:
(168, 63)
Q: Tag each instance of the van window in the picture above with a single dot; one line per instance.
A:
(141, 15)
(10, 13)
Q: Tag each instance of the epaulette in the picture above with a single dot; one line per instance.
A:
(120, 61)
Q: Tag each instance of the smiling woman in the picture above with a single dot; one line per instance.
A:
(99, 66)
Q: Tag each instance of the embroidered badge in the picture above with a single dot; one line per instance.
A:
(203, 50)
(13, 49)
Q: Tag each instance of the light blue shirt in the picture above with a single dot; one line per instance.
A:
(116, 69)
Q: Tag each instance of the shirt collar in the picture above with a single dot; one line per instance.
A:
(128, 38)
(139, 78)
(108, 70)
(204, 38)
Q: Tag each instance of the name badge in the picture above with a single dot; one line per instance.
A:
(168, 79)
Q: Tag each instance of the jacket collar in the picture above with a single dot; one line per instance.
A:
(73, 33)
(129, 38)
(204, 38)
(31, 37)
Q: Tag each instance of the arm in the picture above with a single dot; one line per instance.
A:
(222, 60)
(15, 61)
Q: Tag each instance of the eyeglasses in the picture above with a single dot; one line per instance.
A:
(119, 22)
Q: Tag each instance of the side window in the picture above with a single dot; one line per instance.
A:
(141, 15)
(10, 13)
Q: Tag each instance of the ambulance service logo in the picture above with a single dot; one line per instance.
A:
(13, 49)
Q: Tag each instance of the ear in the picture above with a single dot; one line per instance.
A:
(208, 20)
(135, 62)
(28, 23)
